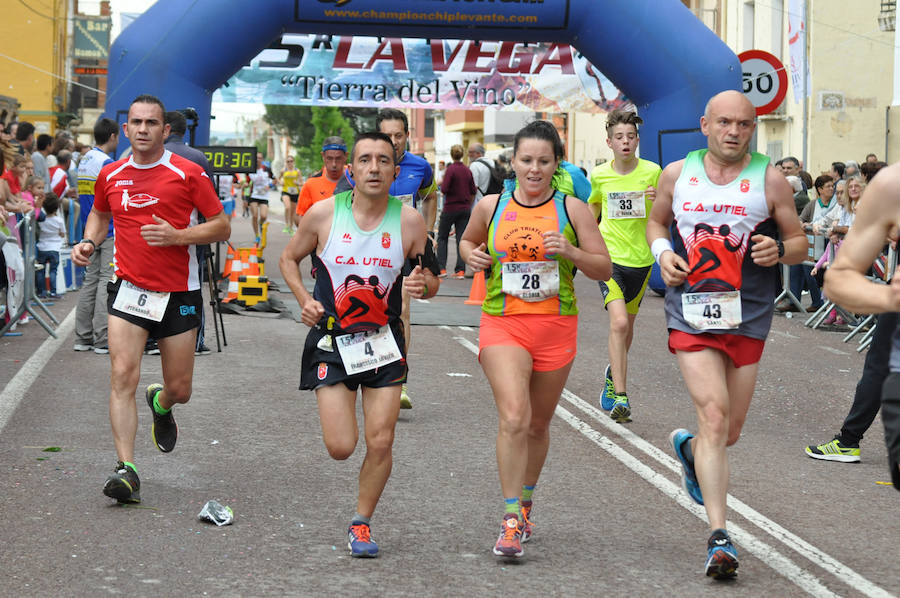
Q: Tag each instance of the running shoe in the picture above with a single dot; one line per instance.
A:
(101, 350)
(459, 275)
(621, 411)
(164, 431)
(360, 540)
(287, 230)
(835, 450)
(443, 274)
(124, 485)
(203, 350)
(405, 403)
(82, 347)
(722, 559)
(151, 348)
(608, 400)
(688, 475)
(510, 541)
(527, 525)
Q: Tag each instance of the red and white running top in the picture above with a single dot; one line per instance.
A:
(172, 189)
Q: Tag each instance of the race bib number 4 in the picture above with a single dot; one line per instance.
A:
(406, 200)
(707, 311)
(134, 300)
(364, 351)
(626, 204)
(531, 281)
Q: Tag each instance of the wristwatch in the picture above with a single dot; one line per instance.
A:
(94, 245)
(780, 248)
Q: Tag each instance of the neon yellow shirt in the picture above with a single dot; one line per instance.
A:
(290, 181)
(624, 211)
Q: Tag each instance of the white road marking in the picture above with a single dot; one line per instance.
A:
(833, 350)
(804, 548)
(16, 388)
(459, 375)
(765, 553)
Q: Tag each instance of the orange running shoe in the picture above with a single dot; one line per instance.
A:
(510, 541)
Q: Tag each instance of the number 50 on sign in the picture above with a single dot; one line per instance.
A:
(765, 80)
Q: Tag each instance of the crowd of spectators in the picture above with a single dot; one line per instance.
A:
(826, 207)
(38, 175)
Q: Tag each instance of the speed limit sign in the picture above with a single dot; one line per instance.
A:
(765, 80)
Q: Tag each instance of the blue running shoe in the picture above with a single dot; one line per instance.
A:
(688, 475)
(608, 400)
(722, 560)
(360, 540)
(621, 411)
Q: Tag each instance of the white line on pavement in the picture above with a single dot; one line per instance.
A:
(17, 387)
(764, 552)
(804, 548)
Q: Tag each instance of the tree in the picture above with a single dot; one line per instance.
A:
(307, 127)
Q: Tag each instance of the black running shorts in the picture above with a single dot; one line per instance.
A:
(182, 312)
(320, 367)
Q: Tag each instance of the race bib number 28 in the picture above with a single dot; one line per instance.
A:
(531, 281)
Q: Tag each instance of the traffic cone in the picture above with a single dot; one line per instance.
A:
(229, 258)
(478, 290)
(237, 270)
(250, 260)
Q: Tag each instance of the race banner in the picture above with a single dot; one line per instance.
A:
(418, 73)
(530, 14)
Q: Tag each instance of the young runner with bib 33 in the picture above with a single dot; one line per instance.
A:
(622, 194)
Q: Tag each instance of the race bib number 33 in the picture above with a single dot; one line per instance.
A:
(134, 300)
(531, 281)
(707, 311)
(626, 204)
(364, 351)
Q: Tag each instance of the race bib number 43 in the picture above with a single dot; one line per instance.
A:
(531, 281)
(706, 311)
(626, 204)
(134, 300)
(364, 351)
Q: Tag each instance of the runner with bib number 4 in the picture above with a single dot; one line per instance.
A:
(356, 335)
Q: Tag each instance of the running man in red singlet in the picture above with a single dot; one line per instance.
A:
(732, 219)
(361, 239)
(154, 197)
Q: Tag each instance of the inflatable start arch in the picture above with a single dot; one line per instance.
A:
(664, 59)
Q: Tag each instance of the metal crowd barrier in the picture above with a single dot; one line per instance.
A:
(27, 228)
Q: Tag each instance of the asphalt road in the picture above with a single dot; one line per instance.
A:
(611, 518)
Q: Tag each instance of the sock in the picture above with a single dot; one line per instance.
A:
(687, 452)
(157, 407)
(131, 465)
(513, 505)
(527, 493)
(719, 534)
(360, 519)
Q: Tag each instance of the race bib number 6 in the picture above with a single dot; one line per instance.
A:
(706, 311)
(626, 204)
(531, 281)
(364, 351)
(134, 300)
